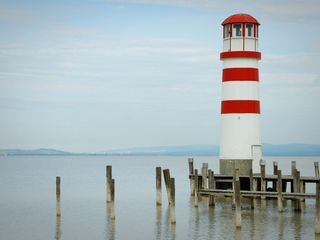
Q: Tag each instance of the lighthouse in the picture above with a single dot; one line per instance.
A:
(240, 138)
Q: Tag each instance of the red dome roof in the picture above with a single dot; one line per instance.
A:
(240, 18)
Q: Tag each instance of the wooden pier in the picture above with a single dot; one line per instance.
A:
(256, 186)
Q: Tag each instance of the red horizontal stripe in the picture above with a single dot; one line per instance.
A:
(240, 106)
(240, 74)
(240, 54)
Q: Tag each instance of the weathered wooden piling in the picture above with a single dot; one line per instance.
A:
(293, 171)
(196, 186)
(211, 183)
(112, 193)
(112, 190)
(296, 189)
(58, 207)
(173, 201)
(275, 172)
(302, 190)
(263, 178)
(279, 187)
(251, 187)
(316, 169)
(158, 186)
(237, 198)
(166, 176)
(108, 182)
(317, 217)
(204, 173)
(191, 173)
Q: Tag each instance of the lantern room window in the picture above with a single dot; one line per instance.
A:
(227, 31)
(237, 30)
(249, 30)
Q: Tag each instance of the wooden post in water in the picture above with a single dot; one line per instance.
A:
(237, 198)
(293, 171)
(279, 183)
(204, 174)
(297, 189)
(275, 172)
(211, 186)
(108, 182)
(255, 185)
(251, 188)
(303, 190)
(316, 169)
(196, 185)
(191, 175)
(317, 218)
(112, 193)
(58, 208)
(173, 202)
(158, 186)
(166, 174)
(112, 190)
(263, 178)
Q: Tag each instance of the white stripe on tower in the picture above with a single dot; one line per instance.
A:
(240, 63)
(240, 90)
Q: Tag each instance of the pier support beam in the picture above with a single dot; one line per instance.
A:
(293, 171)
(263, 178)
(204, 173)
(296, 188)
(316, 169)
(212, 185)
(237, 199)
(275, 172)
(251, 188)
(317, 218)
(279, 183)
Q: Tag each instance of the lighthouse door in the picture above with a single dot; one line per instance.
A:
(256, 157)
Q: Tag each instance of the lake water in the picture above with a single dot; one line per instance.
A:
(27, 201)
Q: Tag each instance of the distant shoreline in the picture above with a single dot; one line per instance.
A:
(290, 150)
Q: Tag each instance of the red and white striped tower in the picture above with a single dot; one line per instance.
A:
(240, 145)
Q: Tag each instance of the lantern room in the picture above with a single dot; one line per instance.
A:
(240, 33)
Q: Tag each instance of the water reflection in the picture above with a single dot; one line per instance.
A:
(211, 222)
(297, 224)
(238, 234)
(110, 222)
(281, 225)
(173, 231)
(158, 227)
(57, 235)
(196, 223)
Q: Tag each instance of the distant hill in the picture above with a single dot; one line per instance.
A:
(291, 149)
(40, 151)
(187, 150)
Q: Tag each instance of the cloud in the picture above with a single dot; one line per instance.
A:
(281, 9)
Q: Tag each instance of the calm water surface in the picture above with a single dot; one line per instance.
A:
(27, 202)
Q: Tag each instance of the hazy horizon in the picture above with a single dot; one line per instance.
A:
(109, 74)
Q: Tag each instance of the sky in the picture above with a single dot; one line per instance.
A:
(89, 76)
